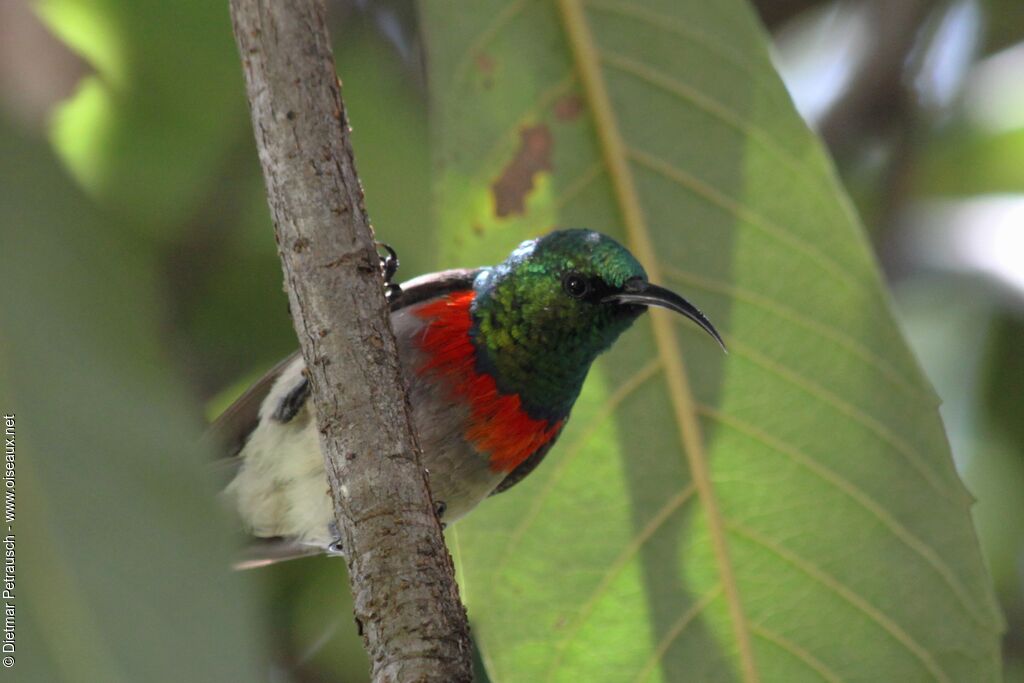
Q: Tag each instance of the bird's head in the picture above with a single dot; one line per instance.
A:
(545, 313)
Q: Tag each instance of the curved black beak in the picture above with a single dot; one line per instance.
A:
(640, 292)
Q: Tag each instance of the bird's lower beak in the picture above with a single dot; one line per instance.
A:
(643, 293)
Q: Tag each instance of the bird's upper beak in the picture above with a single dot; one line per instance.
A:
(637, 291)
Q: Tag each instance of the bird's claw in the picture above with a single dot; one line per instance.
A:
(388, 267)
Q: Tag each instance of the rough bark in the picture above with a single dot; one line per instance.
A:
(406, 600)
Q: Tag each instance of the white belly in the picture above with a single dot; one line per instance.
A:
(281, 488)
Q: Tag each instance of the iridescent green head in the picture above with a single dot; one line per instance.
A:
(542, 316)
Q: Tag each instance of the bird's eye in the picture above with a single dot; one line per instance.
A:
(575, 285)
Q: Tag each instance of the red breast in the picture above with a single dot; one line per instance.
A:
(499, 427)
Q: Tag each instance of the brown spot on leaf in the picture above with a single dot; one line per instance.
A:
(516, 181)
(569, 107)
(484, 62)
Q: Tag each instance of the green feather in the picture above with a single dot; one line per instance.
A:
(533, 336)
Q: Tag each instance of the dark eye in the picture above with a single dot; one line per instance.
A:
(575, 285)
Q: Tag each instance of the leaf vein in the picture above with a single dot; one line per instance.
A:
(854, 492)
(532, 112)
(828, 398)
(669, 25)
(677, 629)
(742, 213)
(792, 648)
(713, 107)
(688, 425)
(613, 401)
(501, 19)
(835, 586)
(833, 333)
(617, 566)
(577, 186)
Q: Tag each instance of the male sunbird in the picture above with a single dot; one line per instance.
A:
(493, 358)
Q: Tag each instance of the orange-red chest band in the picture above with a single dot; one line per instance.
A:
(499, 427)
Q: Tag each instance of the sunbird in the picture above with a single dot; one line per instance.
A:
(493, 359)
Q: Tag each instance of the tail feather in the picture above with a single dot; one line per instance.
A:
(264, 552)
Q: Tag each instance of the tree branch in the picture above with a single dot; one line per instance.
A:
(406, 600)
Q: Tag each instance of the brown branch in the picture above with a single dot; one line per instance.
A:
(406, 600)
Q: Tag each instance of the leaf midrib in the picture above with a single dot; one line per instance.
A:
(636, 164)
(682, 400)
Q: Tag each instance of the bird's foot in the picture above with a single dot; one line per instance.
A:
(334, 549)
(388, 267)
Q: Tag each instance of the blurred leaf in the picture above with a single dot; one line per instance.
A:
(124, 555)
(997, 468)
(970, 348)
(789, 512)
(225, 273)
(323, 631)
(389, 134)
(1004, 401)
(996, 474)
(146, 135)
(967, 161)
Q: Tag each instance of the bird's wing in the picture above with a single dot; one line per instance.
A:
(433, 285)
(233, 427)
(263, 552)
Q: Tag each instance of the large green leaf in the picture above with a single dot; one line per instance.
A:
(149, 131)
(787, 512)
(123, 554)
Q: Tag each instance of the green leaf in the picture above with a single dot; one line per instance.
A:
(788, 512)
(122, 553)
(966, 161)
(149, 132)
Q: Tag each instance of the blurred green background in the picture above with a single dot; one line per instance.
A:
(134, 225)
